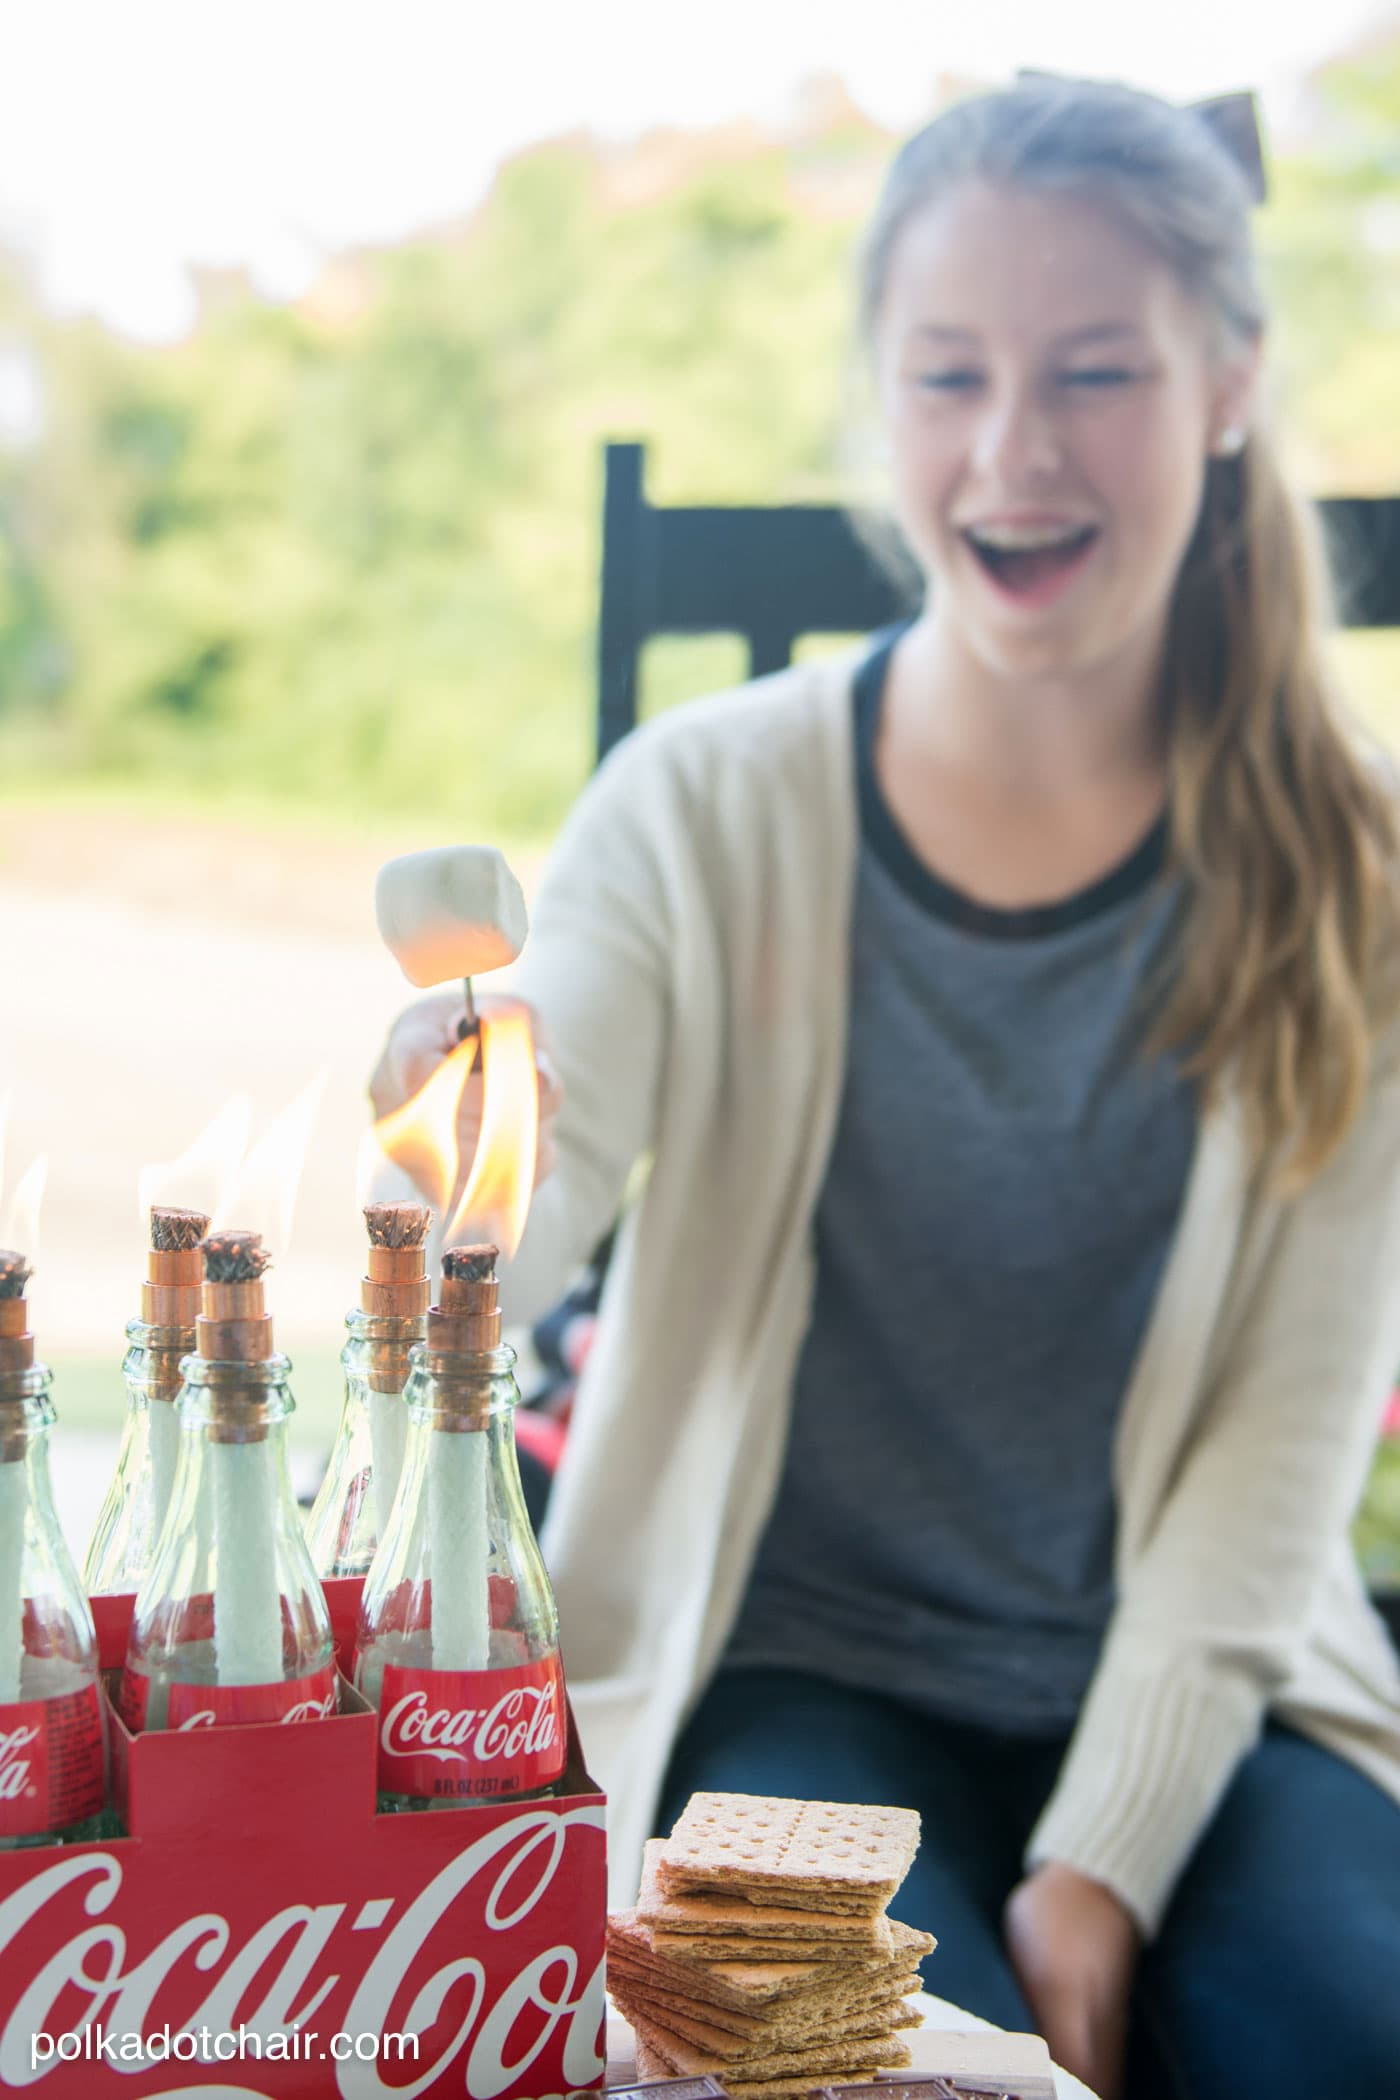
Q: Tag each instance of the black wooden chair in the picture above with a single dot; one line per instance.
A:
(775, 575)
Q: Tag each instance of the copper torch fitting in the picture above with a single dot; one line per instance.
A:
(395, 1293)
(235, 1325)
(16, 1356)
(170, 1296)
(16, 1342)
(467, 1322)
(396, 1287)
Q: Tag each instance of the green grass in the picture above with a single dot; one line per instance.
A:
(87, 1393)
(31, 797)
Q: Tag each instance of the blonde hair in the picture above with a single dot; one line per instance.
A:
(1284, 833)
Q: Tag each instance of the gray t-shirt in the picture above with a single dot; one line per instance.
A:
(1003, 1186)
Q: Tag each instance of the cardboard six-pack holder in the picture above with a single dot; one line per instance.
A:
(260, 1933)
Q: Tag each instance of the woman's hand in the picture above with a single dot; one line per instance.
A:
(419, 1040)
(1075, 1949)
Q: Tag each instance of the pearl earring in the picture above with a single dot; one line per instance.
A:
(1230, 442)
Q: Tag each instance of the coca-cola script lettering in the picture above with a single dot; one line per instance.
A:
(494, 1960)
(189, 1706)
(15, 1766)
(52, 1768)
(471, 1734)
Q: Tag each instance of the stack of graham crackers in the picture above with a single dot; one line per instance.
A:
(759, 1950)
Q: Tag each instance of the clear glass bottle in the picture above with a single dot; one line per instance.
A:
(344, 1524)
(122, 1545)
(53, 1752)
(123, 1541)
(351, 1511)
(458, 1636)
(231, 1624)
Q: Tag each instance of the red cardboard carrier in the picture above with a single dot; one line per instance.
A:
(261, 1933)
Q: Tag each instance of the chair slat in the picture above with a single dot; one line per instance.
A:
(776, 573)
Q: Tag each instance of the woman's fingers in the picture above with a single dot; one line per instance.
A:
(419, 1040)
(422, 1036)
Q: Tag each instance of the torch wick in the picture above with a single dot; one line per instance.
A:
(471, 1024)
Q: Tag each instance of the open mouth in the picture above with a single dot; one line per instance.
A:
(1032, 567)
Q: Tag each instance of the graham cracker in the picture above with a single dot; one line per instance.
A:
(745, 1982)
(651, 2063)
(797, 1855)
(792, 2006)
(737, 1982)
(732, 1946)
(739, 1912)
(788, 2015)
(850, 2053)
(757, 2037)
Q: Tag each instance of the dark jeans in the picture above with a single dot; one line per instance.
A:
(1277, 1967)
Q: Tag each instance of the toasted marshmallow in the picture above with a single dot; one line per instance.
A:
(453, 911)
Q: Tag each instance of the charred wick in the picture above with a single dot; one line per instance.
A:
(470, 1264)
(235, 1257)
(176, 1231)
(15, 1273)
(397, 1225)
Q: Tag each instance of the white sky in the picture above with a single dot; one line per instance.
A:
(139, 135)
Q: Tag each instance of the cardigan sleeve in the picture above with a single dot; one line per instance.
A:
(595, 969)
(1212, 1615)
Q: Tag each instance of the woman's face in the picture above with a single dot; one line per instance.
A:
(1050, 398)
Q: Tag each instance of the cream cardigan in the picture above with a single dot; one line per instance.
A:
(689, 956)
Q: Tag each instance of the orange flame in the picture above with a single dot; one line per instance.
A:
(496, 1200)
(421, 1136)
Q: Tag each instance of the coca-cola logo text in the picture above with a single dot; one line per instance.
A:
(73, 1957)
(523, 1722)
(304, 1710)
(312, 1709)
(14, 1765)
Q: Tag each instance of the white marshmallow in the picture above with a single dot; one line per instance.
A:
(453, 911)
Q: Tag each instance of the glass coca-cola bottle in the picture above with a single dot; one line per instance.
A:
(53, 1762)
(231, 1624)
(123, 1540)
(458, 1638)
(351, 1511)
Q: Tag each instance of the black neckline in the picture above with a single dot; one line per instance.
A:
(891, 848)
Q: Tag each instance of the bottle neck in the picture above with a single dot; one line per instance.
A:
(237, 1403)
(154, 1359)
(379, 1347)
(24, 1450)
(26, 1412)
(461, 1389)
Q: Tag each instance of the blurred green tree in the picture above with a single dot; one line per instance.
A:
(345, 552)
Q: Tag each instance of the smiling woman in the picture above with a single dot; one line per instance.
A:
(1035, 439)
(994, 1350)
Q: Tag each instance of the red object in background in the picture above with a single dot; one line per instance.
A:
(541, 1435)
(259, 1888)
(1390, 1421)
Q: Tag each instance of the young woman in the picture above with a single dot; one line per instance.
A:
(992, 1356)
